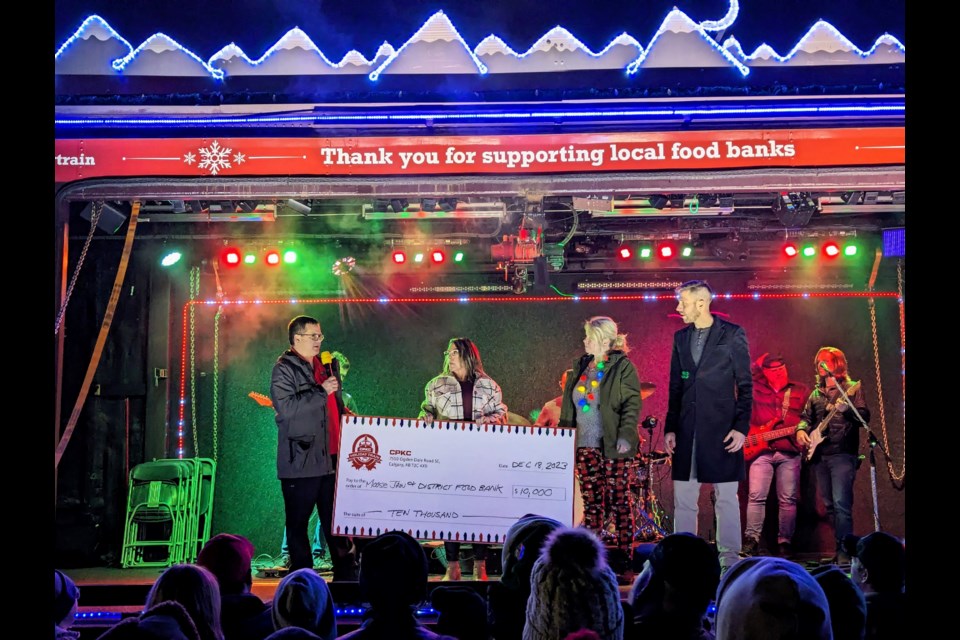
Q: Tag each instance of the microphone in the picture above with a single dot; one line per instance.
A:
(823, 365)
(326, 358)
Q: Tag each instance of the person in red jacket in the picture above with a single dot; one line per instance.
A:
(777, 403)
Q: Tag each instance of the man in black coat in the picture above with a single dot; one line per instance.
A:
(708, 416)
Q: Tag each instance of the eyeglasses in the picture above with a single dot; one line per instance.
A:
(316, 337)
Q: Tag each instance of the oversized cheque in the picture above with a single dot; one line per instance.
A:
(450, 480)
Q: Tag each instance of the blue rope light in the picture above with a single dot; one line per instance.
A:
(120, 63)
(299, 37)
(437, 20)
(766, 51)
(494, 44)
(679, 18)
(723, 23)
(90, 23)
(894, 108)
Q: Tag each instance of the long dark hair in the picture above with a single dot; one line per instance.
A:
(469, 356)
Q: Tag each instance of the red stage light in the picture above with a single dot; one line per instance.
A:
(399, 257)
(273, 257)
(438, 257)
(231, 256)
(831, 249)
(790, 250)
(625, 253)
(666, 251)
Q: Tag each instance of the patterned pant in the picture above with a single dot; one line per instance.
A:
(605, 486)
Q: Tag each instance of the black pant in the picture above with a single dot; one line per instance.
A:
(452, 550)
(300, 495)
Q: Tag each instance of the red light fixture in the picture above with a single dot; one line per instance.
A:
(666, 251)
(625, 253)
(790, 250)
(437, 256)
(831, 249)
(399, 257)
(231, 257)
(272, 257)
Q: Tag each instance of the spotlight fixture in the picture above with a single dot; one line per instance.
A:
(398, 204)
(657, 201)
(298, 206)
(519, 281)
(170, 258)
(794, 209)
(344, 266)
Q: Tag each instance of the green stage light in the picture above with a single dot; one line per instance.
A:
(171, 259)
(250, 258)
(289, 256)
(646, 253)
(686, 251)
(809, 251)
(458, 256)
(850, 250)
(418, 257)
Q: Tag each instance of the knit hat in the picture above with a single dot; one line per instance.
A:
(766, 597)
(848, 607)
(303, 600)
(228, 558)
(463, 613)
(687, 563)
(393, 570)
(573, 588)
(521, 548)
(65, 594)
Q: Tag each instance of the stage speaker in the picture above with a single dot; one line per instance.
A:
(111, 218)
(541, 275)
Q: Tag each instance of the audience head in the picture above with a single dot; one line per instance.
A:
(680, 577)
(227, 557)
(878, 562)
(521, 548)
(303, 600)
(463, 613)
(393, 572)
(65, 596)
(573, 588)
(765, 598)
(165, 621)
(196, 589)
(848, 608)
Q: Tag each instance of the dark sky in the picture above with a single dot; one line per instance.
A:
(337, 26)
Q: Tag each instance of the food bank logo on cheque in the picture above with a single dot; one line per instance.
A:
(365, 452)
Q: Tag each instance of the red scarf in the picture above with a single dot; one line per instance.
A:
(320, 374)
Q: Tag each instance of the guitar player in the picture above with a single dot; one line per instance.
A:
(831, 428)
(772, 451)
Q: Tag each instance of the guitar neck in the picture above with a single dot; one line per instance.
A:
(767, 436)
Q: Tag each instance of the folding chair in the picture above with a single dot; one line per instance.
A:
(199, 525)
(158, 506)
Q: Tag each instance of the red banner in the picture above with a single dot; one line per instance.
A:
(509, 154)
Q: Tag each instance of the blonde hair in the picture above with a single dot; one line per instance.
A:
(197, 590)
(602, 328)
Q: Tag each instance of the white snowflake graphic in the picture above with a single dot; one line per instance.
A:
(189, 157)
(215, 158)
(239, 158)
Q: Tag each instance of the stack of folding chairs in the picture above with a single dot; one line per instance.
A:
(169, 512)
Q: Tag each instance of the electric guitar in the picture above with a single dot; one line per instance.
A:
(817, 435)
(260, 399)
(758, 439)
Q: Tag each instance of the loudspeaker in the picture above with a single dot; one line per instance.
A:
(541, 275)
(110, 220)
